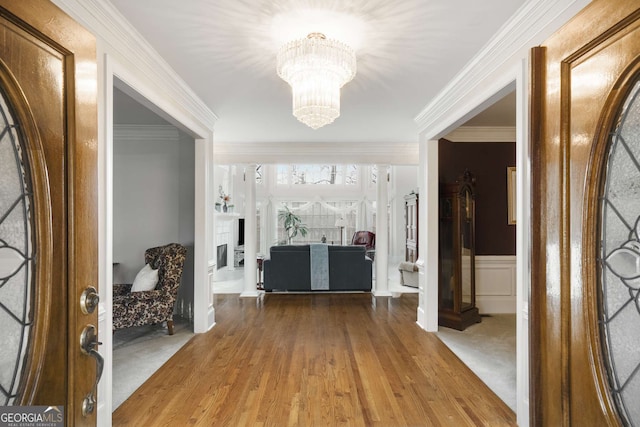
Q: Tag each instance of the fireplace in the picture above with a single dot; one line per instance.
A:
(221, 260)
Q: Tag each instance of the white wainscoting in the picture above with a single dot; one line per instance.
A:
(496, 283)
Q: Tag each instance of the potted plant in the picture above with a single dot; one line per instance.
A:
(292, 224)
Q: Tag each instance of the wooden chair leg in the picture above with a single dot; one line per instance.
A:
(170, 326)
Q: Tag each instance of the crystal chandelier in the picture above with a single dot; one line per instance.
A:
(316, 69)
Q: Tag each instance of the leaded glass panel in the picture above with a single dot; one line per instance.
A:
(16, 256)
(620, 255)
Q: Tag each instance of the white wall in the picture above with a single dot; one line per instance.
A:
(153, 198)
(145, 195)
(496, 284)
(226, 178)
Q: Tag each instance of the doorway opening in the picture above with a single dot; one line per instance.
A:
(153, 195)
(486, 146)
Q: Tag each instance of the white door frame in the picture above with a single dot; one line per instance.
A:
(428, 268)
(499, 67)
(123, 53)
(204, 315)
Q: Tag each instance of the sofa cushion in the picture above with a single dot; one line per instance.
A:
(288, 268)
(349, 269)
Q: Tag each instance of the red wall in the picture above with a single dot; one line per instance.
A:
(488, 162)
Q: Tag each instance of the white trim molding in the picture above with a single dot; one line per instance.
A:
(125, 44)
(471, 90)
(367, 153)
(483, 134)
(496, 284)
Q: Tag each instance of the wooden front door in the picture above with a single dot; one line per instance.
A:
(48, 208)
(585, 311)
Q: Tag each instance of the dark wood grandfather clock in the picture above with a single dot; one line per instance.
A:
(457, 289)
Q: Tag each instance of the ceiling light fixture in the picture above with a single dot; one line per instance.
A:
(316, 68)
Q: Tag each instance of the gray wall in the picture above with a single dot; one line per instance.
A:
(153, 199)
(186, 222)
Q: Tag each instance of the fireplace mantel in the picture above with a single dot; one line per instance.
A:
(226, 233)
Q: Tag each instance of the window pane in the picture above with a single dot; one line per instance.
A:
(259, 170)
(282, 175)
(317, 174)
(320, 218)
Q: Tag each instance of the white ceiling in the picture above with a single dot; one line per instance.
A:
(407, 51)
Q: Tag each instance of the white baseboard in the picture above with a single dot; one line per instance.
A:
(421, 318)
(211, 318)
(496, 283)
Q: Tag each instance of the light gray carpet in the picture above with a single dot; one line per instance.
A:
(140, 351)
(489, 349)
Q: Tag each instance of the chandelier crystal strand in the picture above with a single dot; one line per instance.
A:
(316, 68)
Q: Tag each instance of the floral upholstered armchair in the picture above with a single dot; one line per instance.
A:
(155, 305)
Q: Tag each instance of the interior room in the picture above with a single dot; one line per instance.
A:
(335, 202)
(153, 169)
(479, 144)
(483, 144)
(320, 211)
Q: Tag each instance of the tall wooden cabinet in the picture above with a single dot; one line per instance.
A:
(457, 289)
(411, 218)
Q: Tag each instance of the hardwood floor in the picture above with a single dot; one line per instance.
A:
(314, 360)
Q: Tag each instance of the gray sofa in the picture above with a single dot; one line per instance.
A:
(288, 269)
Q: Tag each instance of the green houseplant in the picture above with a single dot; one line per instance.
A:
(292, 224)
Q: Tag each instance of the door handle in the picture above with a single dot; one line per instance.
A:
(88, 344)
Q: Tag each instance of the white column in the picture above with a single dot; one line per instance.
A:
(428, 236)
(361, 222)
(265, 226)
(382, 235)
(250, 238)
(523, 241)
(203, 310)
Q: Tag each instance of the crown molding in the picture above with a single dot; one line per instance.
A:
(529, 26)
(122, 40)
(158, 133)
(483, 134)
(358, 153)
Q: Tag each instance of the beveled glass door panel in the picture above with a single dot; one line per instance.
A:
(48, 213)
(16, 255)
(620, 252)
(584, 320)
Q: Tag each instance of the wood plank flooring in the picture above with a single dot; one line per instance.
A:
(314, 360)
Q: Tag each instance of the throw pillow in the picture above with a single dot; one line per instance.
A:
(145, 280)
